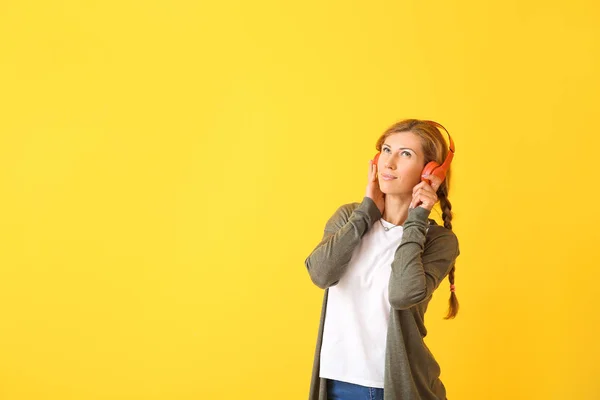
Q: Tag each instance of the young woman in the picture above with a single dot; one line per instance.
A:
(380, 261)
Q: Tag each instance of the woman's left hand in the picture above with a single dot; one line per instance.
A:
(424, 194)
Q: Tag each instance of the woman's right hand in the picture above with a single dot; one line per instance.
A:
(373, 191)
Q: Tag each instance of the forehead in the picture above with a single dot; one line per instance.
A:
(404, 139)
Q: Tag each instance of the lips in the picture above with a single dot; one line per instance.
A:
(388, 176)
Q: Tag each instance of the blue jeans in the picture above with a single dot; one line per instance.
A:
(338, 390)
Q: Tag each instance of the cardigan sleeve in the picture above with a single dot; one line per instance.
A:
(420, 265)
(328, 261)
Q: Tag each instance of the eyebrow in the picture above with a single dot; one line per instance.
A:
(401, 148)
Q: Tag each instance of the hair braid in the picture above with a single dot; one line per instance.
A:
(447, 217)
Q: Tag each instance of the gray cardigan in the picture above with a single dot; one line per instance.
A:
(421, 261)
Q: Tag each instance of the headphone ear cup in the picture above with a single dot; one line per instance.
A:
(430, 168)
(433, 168)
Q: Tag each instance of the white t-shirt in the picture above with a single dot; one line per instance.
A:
(356, 319)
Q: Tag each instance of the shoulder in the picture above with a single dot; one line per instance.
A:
(367, 207)
(366, 211)
(347, 209)
(440, 238)
(342, 213)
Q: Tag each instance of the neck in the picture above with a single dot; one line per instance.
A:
(396, 208)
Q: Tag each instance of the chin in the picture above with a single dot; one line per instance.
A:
(389, 186)
(389, 191)
(394, 190)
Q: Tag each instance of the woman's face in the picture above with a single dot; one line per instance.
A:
(400, 164)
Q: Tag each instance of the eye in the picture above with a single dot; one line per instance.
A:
(404, 153)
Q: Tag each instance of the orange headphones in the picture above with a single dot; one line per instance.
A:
(432, 167)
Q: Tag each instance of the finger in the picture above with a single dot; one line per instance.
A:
(417, 198)
(426, 193)
(434, 181)
(427, 202)
(428, 199)
(426, 181)
(424, 190)
(418, 186)
(431, 189)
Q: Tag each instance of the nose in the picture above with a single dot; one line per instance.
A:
(389, 162)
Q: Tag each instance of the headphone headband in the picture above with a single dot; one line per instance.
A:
(438, 125)
(450, 156)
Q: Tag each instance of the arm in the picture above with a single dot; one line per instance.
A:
(418, 268)
(328, 261)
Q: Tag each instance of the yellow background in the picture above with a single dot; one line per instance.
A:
(166, 167)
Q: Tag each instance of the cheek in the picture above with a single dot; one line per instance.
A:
(413, 173)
